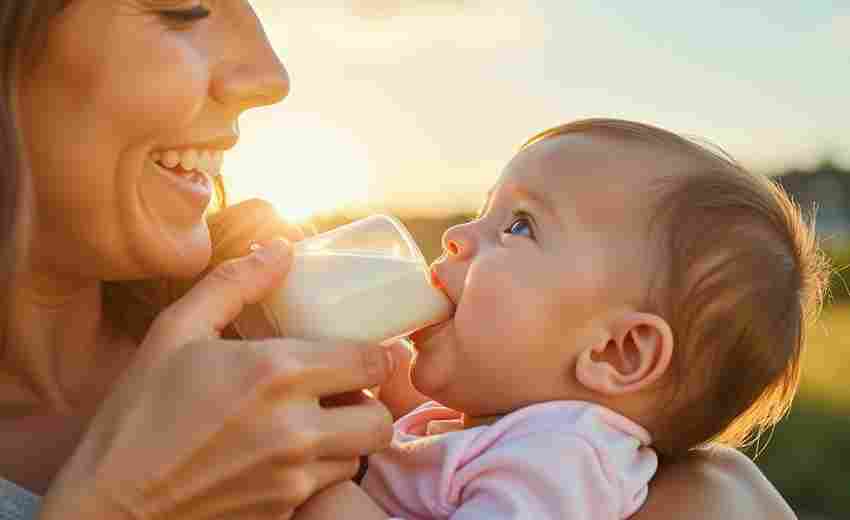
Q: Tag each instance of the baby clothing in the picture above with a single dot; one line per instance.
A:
(555, 460)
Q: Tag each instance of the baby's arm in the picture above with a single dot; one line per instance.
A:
(342, 500)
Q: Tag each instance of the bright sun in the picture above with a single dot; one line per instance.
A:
(299, 163)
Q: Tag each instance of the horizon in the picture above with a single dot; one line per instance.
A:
(395, 103)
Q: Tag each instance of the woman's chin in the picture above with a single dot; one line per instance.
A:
(176, 254)
(192, 262)
(165, 242)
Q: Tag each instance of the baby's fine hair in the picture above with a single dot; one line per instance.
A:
(743, 275)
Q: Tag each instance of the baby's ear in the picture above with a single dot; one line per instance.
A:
(633, 352)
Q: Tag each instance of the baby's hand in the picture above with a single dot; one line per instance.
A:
(398, 394)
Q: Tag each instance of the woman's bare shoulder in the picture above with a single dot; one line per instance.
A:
(714, 483)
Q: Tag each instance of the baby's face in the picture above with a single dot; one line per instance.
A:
(560, 242)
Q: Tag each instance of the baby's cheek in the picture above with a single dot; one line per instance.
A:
(496, 307)
(486, 290)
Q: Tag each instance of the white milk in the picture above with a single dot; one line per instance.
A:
(355, 296)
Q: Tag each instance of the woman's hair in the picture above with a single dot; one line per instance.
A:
(21, 27)
(740, 276)
(8, 151)
(24, 31)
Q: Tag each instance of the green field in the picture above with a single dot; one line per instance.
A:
(826, 360)
(808, 455)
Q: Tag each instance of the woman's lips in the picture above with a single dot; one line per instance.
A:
(195, 186)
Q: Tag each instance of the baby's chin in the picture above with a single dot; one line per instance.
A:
(433, 369)
(430, 335)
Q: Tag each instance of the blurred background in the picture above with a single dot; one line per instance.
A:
(412, 107)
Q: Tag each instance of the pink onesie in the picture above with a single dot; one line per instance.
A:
(556, 460)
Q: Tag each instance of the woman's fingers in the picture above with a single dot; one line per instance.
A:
(294, 415)
(215, 301)
(324, 472)
(350, 431)
(234, 228)
(324, 369)
(232, 232)
(277, 487)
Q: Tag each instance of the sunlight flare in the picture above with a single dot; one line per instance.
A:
(301, 164)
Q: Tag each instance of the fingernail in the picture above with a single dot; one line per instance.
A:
(271, 250)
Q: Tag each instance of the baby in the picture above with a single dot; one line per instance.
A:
(624, 296)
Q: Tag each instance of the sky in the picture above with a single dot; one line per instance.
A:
(417, 105)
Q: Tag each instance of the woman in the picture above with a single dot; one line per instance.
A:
(116, 105)
(98, 87)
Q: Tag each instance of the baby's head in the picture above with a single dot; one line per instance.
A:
(619, 263)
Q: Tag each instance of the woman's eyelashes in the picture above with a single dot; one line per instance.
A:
(186, 16)
(522, 224)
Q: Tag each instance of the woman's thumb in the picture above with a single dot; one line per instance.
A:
(214, 302)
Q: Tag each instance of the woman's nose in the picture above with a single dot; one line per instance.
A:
(254, 76)
(459, 242)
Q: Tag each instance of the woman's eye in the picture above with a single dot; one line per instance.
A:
(193, 14)
(521, 225)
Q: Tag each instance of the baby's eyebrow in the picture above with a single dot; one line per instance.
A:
(520, 192)
(538, 199)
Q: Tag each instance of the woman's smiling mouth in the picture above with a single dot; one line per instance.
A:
(191, 159)
(191, 171)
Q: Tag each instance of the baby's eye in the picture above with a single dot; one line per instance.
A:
(521, 225)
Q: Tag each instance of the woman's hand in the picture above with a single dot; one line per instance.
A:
(232, 231)
(234, 228)
(200, 427)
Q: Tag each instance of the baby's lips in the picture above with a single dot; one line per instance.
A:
(438, 284)
(435, 280)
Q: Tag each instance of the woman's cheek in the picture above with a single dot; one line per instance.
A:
(161, 95)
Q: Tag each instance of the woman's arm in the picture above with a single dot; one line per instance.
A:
(716, 483)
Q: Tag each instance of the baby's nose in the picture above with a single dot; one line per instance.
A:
(459, 242)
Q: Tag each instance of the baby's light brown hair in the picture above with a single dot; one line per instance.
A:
(741, 275)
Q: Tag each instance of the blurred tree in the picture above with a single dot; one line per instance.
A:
(823, 193)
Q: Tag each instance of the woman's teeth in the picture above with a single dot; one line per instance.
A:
(205, 161)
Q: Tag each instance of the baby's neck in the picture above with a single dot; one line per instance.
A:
(485, 420)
